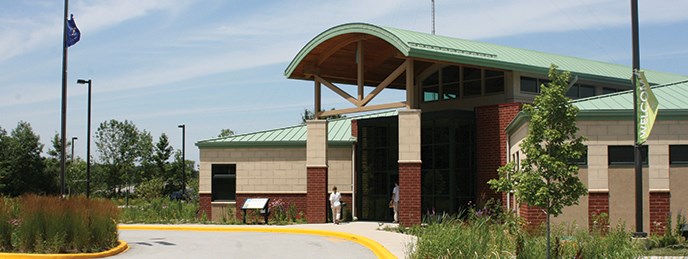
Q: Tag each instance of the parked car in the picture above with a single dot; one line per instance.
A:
(188, 195)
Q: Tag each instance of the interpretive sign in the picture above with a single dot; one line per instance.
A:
(257, 204)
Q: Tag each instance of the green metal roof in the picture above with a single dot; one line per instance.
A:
(435, 47)
(338, 133)
(672, 99)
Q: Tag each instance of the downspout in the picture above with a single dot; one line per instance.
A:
(508, 156)
(353, 181)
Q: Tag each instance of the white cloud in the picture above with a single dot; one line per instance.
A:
(43, 30)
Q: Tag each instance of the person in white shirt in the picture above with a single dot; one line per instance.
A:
(335, 204)
(395, 201)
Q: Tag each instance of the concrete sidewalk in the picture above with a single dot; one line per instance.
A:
(395, 243)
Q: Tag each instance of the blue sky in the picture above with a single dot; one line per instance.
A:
(219, 64)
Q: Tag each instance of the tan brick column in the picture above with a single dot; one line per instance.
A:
(409, 167)
(316, 171)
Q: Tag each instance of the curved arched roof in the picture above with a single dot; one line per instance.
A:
(348, 28)
(441, 48)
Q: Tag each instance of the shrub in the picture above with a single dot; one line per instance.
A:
(7, 222)
(40, 224)
(504, 236)
(161, 210)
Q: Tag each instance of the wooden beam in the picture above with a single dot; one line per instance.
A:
(390, 78)
(337, 90)
(364, 109)
(384, 55)
(360, 72)
(324, 56)
(317, 103)
(410, 85)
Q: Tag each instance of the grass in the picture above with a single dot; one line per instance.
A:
(165, 211)
(162, 211)
(677, 250)
(486, 238)
(40, 224)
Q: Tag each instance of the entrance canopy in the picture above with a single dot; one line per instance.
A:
(333, 52)
(369, 55)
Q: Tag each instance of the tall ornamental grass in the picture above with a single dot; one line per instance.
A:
(484, 237)
(40, 224)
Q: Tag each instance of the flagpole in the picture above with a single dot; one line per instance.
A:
(64, 101)
(638, 157)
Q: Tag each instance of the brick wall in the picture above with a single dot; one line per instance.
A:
(205, 204)
(297, 199)
(659, 211)
(316, 197)
(409, 194)
(597, 203)
(491, 141)
(534, 216)
(354, 128)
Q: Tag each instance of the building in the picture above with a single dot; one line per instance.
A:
(608, 169)
(442, 143)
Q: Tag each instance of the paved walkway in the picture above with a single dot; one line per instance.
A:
(368, 234)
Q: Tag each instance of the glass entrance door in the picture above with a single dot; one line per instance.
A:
(448, 155)
(378, 166)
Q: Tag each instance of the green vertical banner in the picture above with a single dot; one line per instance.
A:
(647, 108)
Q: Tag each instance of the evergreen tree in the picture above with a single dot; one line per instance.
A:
(163, 152)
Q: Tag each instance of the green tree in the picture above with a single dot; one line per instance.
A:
(309, 115)
(163, 152)
(4, 160)
(75, 177)
(225, 133)
(23, 165)
(146, 168)
(121, 146)
(547, 178)
(52, 161)
(175, 177)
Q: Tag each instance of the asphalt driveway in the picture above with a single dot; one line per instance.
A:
(197, 244)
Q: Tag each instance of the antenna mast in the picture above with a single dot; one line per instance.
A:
(433, 16)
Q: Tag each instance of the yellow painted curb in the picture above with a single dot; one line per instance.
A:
(123, 246)
(379, 250)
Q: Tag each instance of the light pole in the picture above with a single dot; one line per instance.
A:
(183, 127)
(88, 139)
(73, 139)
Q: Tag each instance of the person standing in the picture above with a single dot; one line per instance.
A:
(395, 201)
(335, 204)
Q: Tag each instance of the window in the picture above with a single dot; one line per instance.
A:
(573, 92)
(586, 91)
(625, 155)
(583, 160)
(580, 91)
(471, 81)
(532, 85)
(223, 182)
(450, 82)
(494, 81)
(607, 90)
(529, 84)
(678, 154)
(455, 82)
(431, 88)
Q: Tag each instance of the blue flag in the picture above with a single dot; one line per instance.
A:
(73, 33)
